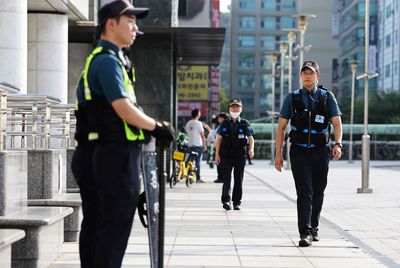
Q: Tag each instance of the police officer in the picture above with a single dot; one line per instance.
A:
(116, 127)
(82, 170)
(310, 110)
(230, 153)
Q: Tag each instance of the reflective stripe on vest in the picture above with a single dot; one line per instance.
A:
(130, 135)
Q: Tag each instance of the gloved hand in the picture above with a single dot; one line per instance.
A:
(164, 133)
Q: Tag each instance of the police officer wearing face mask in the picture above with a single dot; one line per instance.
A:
(231, 153)
(310, 110)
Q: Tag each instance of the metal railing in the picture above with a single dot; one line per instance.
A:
(34, 121)
(5, 89)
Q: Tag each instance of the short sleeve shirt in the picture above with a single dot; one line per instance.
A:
(105, 75)
(287, 110)
(193, 129)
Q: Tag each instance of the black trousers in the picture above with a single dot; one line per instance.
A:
(310, 172)
(82, 170)
(116, 169)
(226, 166)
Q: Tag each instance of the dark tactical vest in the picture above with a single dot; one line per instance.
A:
(103, 123)
(234, 144)
(310, 129)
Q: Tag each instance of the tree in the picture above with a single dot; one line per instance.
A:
(223, 102)
(384, 108)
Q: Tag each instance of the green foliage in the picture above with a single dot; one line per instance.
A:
(223, 102)
(384, 108)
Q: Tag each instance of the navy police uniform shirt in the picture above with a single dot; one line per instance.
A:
(287, 110)
(234, 126)
(105, 76)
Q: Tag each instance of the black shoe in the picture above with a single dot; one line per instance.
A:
(314, 234)
(305, 240)
(226, 206)
(236, 207)
(218, 181)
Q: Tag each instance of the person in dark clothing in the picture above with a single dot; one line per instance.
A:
(115, 131)
(230, 153)
(310, 110)
(220, 119)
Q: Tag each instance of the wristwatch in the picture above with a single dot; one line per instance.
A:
(339, 144)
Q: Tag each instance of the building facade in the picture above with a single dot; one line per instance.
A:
(350, 31)
(388, 46)
(256, 29)
(324, 49)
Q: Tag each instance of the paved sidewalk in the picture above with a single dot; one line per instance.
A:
(356, 229)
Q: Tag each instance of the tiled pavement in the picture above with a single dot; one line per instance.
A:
(357, 230)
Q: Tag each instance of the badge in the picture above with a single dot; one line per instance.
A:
(319, 118)
(241, 136)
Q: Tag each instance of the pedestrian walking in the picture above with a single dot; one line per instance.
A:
(197, 140)
(310, 111)
(114, 126)
(231, 153)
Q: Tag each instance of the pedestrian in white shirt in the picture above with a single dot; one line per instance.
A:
(197, 141)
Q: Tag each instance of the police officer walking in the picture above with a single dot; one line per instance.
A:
(230, 153)
(310, 110)
(115, 128)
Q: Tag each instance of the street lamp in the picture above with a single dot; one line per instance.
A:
(283, 46)
(353, 85)
(366, 138)
(291, 33)
(274, 58)
(302, 23)
(291, 39)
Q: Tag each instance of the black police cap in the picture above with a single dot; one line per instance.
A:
(119, 8)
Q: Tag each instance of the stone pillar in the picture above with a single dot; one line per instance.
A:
(48, 55)
(13, 43)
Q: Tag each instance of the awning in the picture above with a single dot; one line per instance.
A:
(194, 46)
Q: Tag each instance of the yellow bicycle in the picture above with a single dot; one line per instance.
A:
(185, 169)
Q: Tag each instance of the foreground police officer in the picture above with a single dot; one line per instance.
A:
(115, 125)
(82, 170)
(230, 153)
(310, 111)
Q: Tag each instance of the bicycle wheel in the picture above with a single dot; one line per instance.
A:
(174, 177)
(190, 178)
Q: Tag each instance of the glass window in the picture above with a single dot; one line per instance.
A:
(288, 5)
(247, 100)
(264, 101)
(266, 62)
(246, 61)
(287, 22)
(246, 80)
(247, 4)
(268, 42)
(247, 41)
(360, 32)
(387, 71)
(247, 22)
(269, 5)
(388, 10)
(268, 23)
(388, 38)
(266, 81)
